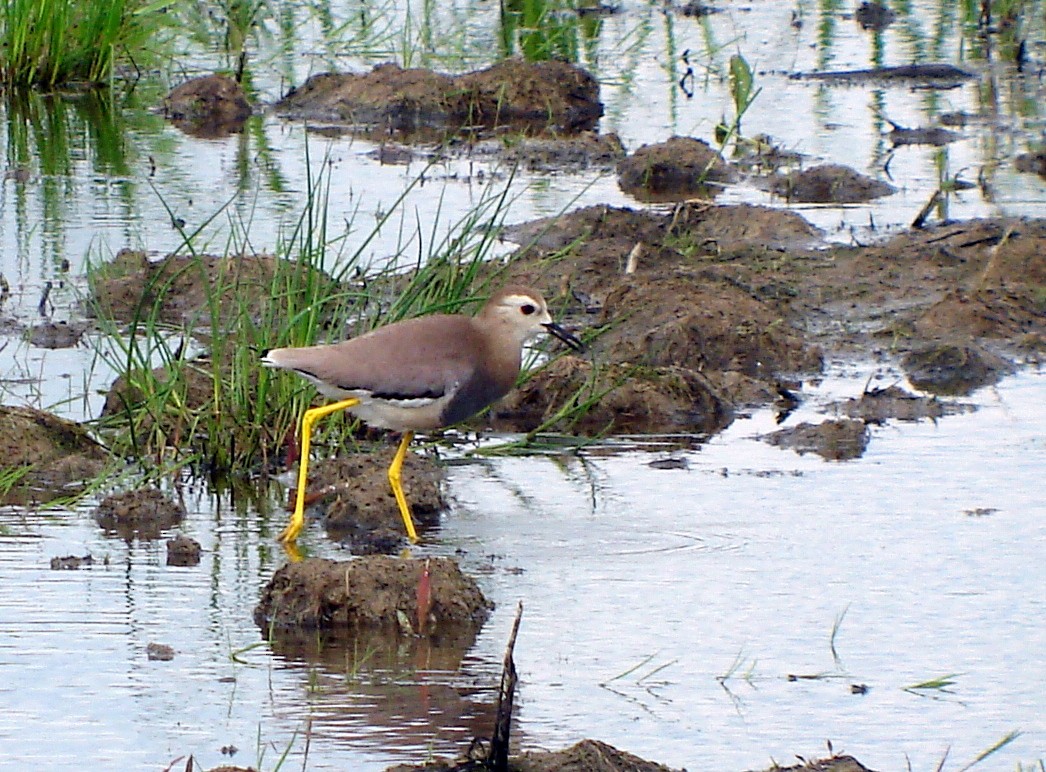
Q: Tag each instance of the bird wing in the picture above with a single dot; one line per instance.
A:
(423, 358)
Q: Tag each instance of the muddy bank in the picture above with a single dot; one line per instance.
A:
(733, 293)
(529, 97)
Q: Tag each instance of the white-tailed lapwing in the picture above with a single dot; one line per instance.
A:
(418, 374)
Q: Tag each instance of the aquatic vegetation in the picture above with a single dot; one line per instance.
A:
(49, 42)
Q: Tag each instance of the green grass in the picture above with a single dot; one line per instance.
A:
(222, 414)
(50, 42)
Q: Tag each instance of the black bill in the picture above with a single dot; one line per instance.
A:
(557, 331)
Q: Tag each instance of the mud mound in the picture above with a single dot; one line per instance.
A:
(548, 96)
(573, 153)
(57, 453)
(60, 334)
(143, 513)
(689, 321)
(627, 399)
(833, 764)
(585, 756)
(131, 285)
(213, 106)
(829, 184)
(193, 385)
(354, 494)
(680, 168)
(183, 551)
(1032, 163)
(431, 595)
(954, 369)
(881, 405)
(834, 440)
(985, 313)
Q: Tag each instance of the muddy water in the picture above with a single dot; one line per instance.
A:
(641, 586)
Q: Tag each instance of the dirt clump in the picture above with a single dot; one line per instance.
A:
(71, 562)
(425, 596)
(927, 135)
(834, 440)
(584, 756)
(686, 320)
(131, 285)
(562, 153)
(829, 184)
(737, 294)
(357, 502)
(626, 399)
(840, 763)
(531, 97)
(193, 385)
(57, 453)
(894, 403)
(954, 368)
(55, 335)
(209, 107)
(183, 551)
(874, 15)
(931, 75)
(159, 652)
(588, 755)
(677, 169)
(143, 513)
(1032, 163)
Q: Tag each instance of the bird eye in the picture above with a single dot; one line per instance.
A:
(527, 309)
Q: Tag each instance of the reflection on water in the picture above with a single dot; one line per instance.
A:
(642, 587)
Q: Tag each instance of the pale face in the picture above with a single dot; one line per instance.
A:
(526, 315)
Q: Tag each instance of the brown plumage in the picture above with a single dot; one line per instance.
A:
(420, 374)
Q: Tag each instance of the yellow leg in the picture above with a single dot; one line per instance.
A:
(397, 488)
(297, 521)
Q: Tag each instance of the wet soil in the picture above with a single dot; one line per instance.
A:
(355, 498)
(587, 150)
(403, 596)
(834, 440)
(531, 97)
(894, 403)
(674, 170)
(143, 513)
(829, 184)
(597, 756)
(924, 75)
(59, 455)
(954, 368)
(732, 293)
(131, 286)
(183, 551)
(209, 107)
(624, 399)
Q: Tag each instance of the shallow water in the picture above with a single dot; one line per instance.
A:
(640, 588)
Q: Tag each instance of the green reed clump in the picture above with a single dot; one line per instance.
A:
(50, 42)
